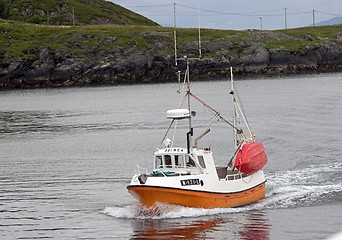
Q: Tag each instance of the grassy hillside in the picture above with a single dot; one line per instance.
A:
(22, 41)
(61, 12)
(19, 40)
(39, 55)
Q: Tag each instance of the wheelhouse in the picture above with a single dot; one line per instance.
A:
(174, 158)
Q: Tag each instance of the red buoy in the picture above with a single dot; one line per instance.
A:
(251, 158)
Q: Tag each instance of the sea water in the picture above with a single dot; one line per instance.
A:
(67, 156)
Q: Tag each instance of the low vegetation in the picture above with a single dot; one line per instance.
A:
(22, 40)
(68, 12)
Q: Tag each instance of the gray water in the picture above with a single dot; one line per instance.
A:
(67, 156)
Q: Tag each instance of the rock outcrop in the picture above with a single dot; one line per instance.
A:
(132, 65)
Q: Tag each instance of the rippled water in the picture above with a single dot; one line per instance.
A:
(68, 154)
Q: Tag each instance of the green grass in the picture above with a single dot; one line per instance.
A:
(18, 40)
(60, 12)
(24, 41)
(301, 38)
(330, 32)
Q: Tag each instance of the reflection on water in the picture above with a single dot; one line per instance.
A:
(165, 229)
(256, 227)
(244, 226)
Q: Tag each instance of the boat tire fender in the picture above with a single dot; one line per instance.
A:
(142, 178)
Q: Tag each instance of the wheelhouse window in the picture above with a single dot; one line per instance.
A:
(171, 161)
(201, 161)
(179, 161)
(167, 160)
(190, 162)
(158, 162)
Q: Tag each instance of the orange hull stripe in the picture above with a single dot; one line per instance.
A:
(148, 195)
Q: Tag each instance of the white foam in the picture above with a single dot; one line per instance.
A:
(337, 236)
(287, 189)
(120, 212)
(302, 186)
(166, 211)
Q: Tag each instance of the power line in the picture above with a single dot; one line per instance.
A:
(150, 6)
(332, 14)
(284, 13)
(246, 14)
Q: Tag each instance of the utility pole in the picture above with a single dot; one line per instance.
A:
(199, 31)
(73, 16)
(313, 18)
(174, 31)
(285, 19)
(260, 18)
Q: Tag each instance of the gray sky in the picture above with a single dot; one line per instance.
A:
(236, 14)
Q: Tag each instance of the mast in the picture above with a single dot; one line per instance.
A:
(237, 113)
(190, 133)
(234, 108)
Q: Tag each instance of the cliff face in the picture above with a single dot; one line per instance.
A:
(109, 57)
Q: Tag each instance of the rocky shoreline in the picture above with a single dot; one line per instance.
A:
(131, 65)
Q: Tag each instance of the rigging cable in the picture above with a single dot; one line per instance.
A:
(215, 112)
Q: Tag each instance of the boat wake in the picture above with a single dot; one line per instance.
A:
(313, 185)
(164, 211)
(310, 186)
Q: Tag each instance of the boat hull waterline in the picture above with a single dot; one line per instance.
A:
(150, 195)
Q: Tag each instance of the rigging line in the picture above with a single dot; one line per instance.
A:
(244, 118)
(204, 103)
(213, 120)
(214, 111)
(167, 131)
(182, 100)
(241, 110)
(239, 102)
(232, 158)
(174, 134)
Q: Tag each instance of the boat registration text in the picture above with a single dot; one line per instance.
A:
(188, 182)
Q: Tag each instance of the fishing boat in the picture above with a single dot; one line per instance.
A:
(187, 175)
